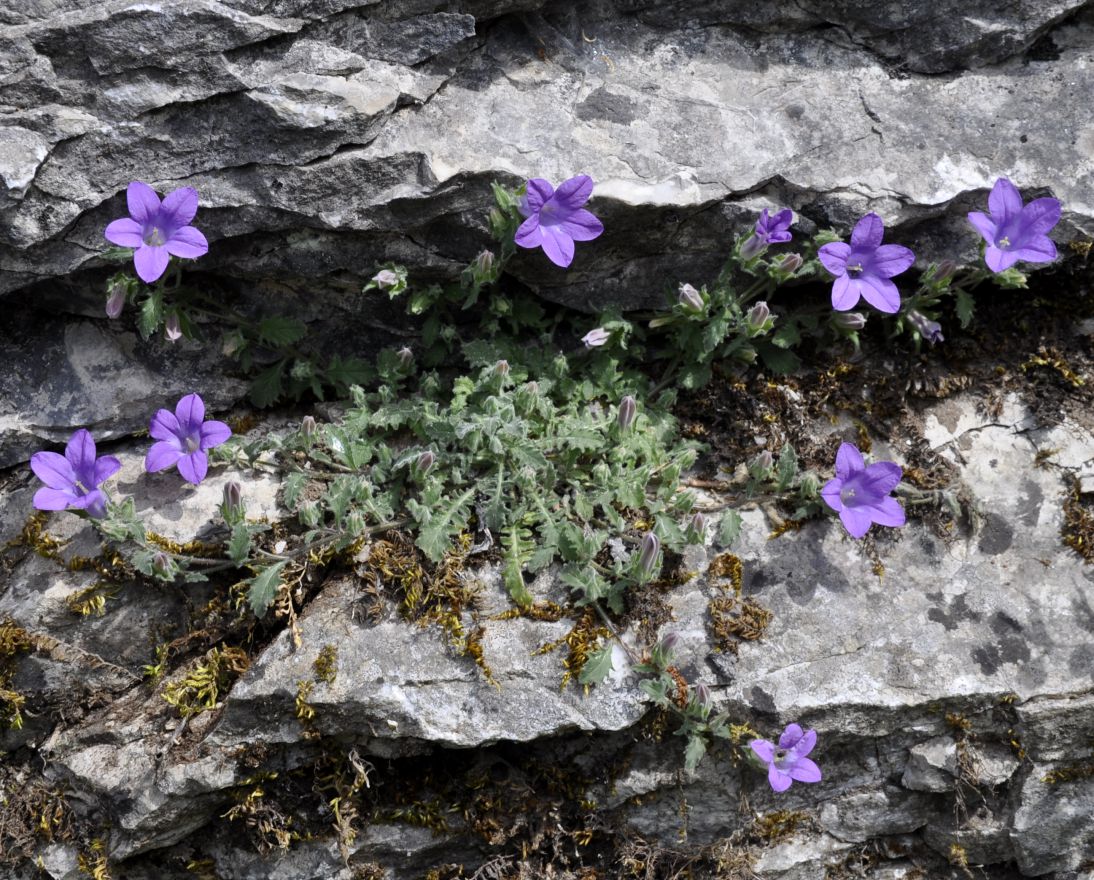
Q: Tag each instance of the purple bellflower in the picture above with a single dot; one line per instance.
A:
(861, 494)
(157, 229)
(183, 437)
(769, 230)
(72, 480)
(863, 267)
(1015, 231)
(787, 761)
(556, 218)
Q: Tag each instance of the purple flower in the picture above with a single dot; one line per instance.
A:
(771, 230)
(556, 218)
(158, 230)
(73, 479)
(183, 437)
(928, 329)
(596, 337)
(787, 762)
(1015, 232)
(864, 267)
(861, 494)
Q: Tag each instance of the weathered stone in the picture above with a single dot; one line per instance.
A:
(1052, 826)
(861, 815)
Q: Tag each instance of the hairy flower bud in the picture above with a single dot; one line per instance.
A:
(697, 528)
(405, 356)
(628, 409)
(385, 279)
(648, 554)
(233, 494)
(172, 328)
(596, 338)
(849, 320)
(308, 426)
(690, 298)
(928, 329)
(424, 463)
(945, 271)
(483, 264)
(758, 315)
(116, 301)
(502, 368)
(753, 247)
(789, 263)
(703, 696)
(161, 562)
(669, 642)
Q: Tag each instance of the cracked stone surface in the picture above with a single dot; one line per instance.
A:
(325, 138)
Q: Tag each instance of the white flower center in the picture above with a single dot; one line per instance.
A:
(193, 443)
(855, 270)
(1004, 242)
(154, 237)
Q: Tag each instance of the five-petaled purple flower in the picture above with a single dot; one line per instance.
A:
(769, 230)
(1015, 232)
(73, 479)
(787, 761)
(183, 437)
(861, 494)
(158, 229)
(556, 218)
(864, 267)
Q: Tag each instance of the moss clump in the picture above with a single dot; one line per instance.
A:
(94, 864)
(727, 566)
(1069, 774)
(200, 688)
(733, 620)
(325, 664)
(582, 639)
(773, 827)
(1078, 527)
(14, 640)
(305, 711)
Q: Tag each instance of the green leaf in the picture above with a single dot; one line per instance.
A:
(267, 386)
(778, 360)
(966, 305)
(693, 753)
(597, 666)
(786, 468)
(730, 528)
(151, 314)
(239, 545)
(264, 587)
(517, 542)
(278, 331)
(787, 336)
(351, 371)
(445, 522)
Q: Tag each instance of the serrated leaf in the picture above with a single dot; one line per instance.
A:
(786, 468)
(787, 336)
(347, 372)
(151, 314)
(239, 545)
(778, 360)
(446, 520)
(693, 753)
(263, 589)
(730, 528)
(267, 386)
(278, 331)
(597, 665)
(965, 305)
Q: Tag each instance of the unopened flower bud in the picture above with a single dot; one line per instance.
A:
(483, 263)
(405, 356)
(758, 315)
(385, 279)
(753, 247)
(764, 461)
(233, 495)
(308, 426)
(425, 462)
(502, 368)
(849, 320)
(945, 271)
(648, 554)
(789, 263)
(116, 301)
(928, 329)
(697, 529)
(161, 562)
(628, 409)
(703, 696)
(172, 328)
(668, 644)
(596, 338)
(690, 298)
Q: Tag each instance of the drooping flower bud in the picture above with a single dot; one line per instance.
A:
(171, 328)
(628, 409)
(753, 247)
(116, 301)
(789, 263)
(758, 315)
(849, 320)
(385, 279)
(405, 356)
(596, 338)
(690, 298)
(697, 529)
(648, 554)
(308, 427)
(928, 329)
(424, 463)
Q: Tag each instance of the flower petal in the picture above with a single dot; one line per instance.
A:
(575, 192)
(856, 520)
(188, 242)
(124, 233)
(581, 225)
(161, 456)
(150, 262)
(834, 256)
(790, 736)
(538, 191)
(558, 246)
(53, 499)
(1004, 201)
(214, 433)
(1039, 249)
(881, 293)
(868, 232)
(165, 426)
(805, 770)
(94, 502)
(845, 293)
(54, 470)
(983, 224)
(779, 781)
(849, 461)
(880, 478)
(105, 468)
(180, 206)
(1039, 216)
(528, 234)
(80, 453)
(886, 512)
(191, 413)
(892, 259)
(194, 466)
(764, 749)
(142, 201)
(999, 260)
(830, 494)
(805, 744)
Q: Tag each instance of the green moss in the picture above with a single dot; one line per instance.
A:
(326, 664)
(200, 688)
